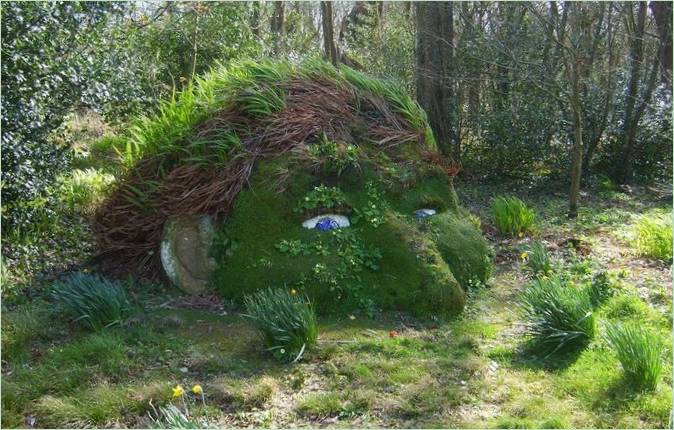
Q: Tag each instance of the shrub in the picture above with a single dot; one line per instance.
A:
(639, 352)
(601, 289)
(558, 317)
(605, 183)
(286, 322)
(512, 216)
(92, 300)
(84, 189)
(538, 260)
(653, 237)
(333, 157)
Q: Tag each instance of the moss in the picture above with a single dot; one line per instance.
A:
(462, 247)
(386, 260)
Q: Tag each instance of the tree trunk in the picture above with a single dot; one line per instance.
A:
(255, 19)
(195, 45)
(433, 58)
(602, 123)
(576, 63)
(662, 12)
(577, 147)
(276, 26)
(623, 171)
(350, 23)
(328, 32)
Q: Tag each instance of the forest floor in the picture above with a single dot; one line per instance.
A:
(392, 371)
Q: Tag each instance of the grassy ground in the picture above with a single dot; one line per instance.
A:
(393, 371)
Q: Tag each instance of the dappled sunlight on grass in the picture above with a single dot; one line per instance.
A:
(472, 370)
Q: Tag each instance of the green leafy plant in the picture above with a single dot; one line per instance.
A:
(653, 237)
(512, 216)
(639, 352)
(373, 211)
(293, 247)
(322, 198)
(557, 316)
(606, 184)
(92, 300)
(601, 289)
(171, 417)
(538, 260)
(286, 321)
(261, 100)
(334, 157)
(84, 189)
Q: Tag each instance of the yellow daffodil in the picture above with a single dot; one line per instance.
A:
(178, 391)
(524, 256)
(197, 389)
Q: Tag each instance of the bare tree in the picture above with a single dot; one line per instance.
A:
(662, 12)
(277, 26)
(434, 52)
(636, 102)
(328, 32)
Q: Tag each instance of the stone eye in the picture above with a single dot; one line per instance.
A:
(326, 222)
(424, 213)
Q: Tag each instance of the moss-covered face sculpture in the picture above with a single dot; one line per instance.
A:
(326, 182)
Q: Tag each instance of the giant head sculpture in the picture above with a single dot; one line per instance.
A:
(318, 179)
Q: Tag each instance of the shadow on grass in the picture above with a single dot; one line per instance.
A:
(619, 394)
(531, 356)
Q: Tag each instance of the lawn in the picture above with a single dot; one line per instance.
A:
(389, 371)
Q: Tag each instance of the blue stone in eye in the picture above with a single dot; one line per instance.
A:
(424, 213)
(325, 224)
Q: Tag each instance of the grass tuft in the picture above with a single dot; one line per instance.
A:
(538, 260)
(639, 352)
(320, 405)
(512, 216)
(558, 317)
(653, 237)
(84, 189)
(92, 300)
(287, 322)
(171, 417)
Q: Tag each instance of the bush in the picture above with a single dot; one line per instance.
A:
(558, 317)
(538, 260)
(286, 322)
(639, 352)
(512, 216)
(601, 289)
(653, 237)
(93, 301)
(84, 189)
